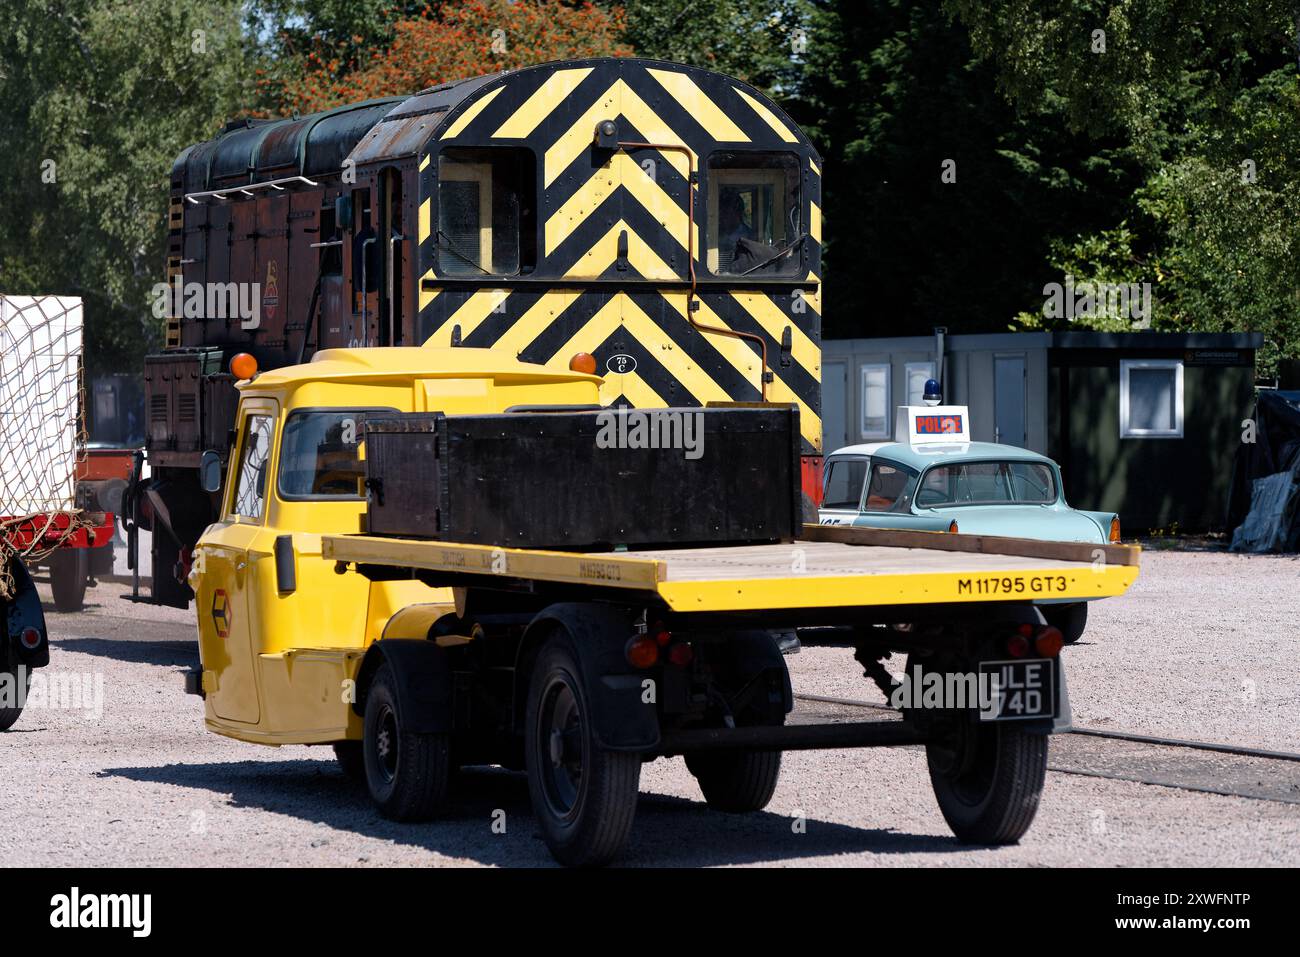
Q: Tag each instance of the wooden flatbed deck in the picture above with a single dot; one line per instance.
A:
(831, 568)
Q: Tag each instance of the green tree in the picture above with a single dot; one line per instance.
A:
(758, 41)
(99, 98)
(892, 93)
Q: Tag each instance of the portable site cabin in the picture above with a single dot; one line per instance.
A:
(1145, 424)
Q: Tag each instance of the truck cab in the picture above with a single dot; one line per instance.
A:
(280, 634)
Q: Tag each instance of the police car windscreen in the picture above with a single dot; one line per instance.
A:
(987, 483)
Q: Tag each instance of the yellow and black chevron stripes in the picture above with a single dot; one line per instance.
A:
(613, 233)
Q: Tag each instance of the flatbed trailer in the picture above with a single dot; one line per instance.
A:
(829, 569)
(504, 578)
(956, 605)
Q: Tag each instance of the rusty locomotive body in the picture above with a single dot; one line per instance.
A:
(664, 219)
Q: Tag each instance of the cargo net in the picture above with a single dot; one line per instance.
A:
(42, 440)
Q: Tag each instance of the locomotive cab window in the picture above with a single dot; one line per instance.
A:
(754, 224)
(486, 212)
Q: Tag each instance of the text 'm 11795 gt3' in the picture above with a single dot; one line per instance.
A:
(937, 479)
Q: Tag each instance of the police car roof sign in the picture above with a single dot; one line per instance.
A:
(932, 424)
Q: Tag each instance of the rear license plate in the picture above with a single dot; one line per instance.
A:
(1018, 690)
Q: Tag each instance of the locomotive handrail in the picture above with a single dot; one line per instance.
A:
(248, 189)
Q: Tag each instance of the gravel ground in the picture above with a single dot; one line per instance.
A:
(1205, 646)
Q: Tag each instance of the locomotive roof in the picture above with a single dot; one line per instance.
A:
(258, 150)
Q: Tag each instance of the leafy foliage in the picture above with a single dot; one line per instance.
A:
(99, 98)
(455, 41)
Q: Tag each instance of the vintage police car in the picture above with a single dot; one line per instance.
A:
(937, 479)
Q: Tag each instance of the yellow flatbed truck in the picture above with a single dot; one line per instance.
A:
(413, 654)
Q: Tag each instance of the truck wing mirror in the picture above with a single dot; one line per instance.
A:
(210, 471)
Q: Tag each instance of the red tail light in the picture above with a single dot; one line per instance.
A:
(1049, 642)
(30, 637)
(1017, 646)
(641, 651)
(681, 654)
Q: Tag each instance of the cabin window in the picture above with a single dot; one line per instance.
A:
(917, 375)
(1151, 399)
(844, 478)
(875, 401)
(486, 212)
(890, 488)
(754, 226)
(254, 460)
(320, 454)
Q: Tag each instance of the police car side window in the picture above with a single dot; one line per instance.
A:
(254, 460)
(844, 480)
(889, 488)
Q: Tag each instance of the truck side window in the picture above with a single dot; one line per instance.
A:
(320, 454)
(487, 203)
(254, 460)
(753, 214)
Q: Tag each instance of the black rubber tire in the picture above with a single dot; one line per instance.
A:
(738, 782)
(10, 715)
(1071, 619)
(585, 822)
(351, 759)
(69, 573)
(407, 774)
(993, 797)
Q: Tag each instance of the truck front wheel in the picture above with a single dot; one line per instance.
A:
(407, 773)
(736, 781)
(69, 572)
(584, 796)
(987, 779)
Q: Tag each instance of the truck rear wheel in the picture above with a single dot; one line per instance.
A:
(736, 781)
(69, 572)
(988, 779)
(407, 773)
(584, 796)
(9, 686)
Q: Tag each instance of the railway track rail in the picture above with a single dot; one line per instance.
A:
(1203, 766)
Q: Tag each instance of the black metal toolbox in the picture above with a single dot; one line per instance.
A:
(587, 480)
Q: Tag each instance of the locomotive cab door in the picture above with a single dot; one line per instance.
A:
(394, 253)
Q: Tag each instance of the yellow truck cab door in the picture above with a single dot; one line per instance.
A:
(229, 555)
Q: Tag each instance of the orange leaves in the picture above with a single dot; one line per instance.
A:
(464, 38)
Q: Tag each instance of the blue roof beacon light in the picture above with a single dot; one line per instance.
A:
(932, 394)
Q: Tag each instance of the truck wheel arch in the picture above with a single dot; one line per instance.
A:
(423, 679)
(622, 722)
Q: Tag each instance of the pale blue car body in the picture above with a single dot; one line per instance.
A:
(1054, 521)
